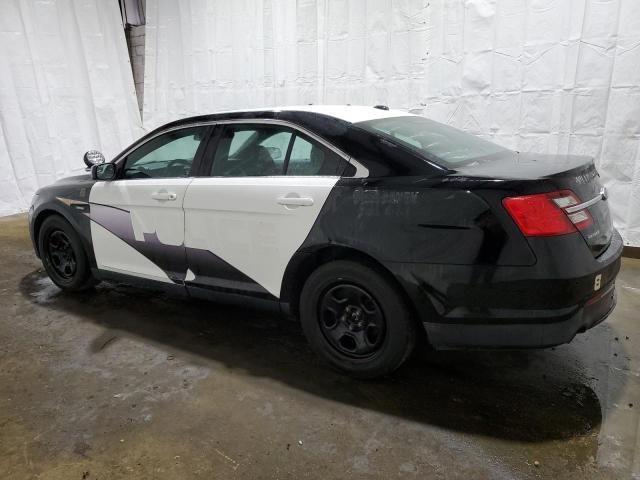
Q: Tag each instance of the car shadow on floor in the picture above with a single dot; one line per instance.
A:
(528, 396)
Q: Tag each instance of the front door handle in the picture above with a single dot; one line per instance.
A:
(295, 201)
(164, 195)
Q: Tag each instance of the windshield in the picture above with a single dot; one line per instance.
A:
(433, 140)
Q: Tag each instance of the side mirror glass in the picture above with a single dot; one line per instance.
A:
(93, 157)
(104, 172)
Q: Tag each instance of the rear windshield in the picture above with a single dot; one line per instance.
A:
(433, 140)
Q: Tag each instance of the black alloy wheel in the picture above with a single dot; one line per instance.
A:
(356, 318)
(352, 320)
(61, 255)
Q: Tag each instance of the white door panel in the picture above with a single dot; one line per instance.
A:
(155, 208)
(255, 224)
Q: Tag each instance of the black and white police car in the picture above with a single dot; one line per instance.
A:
(365, 223)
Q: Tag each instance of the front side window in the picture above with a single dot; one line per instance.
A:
(168, 155)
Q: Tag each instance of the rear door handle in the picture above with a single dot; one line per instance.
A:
(164, 195)
(295, 201)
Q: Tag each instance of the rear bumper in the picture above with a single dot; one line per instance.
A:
(566, 292)
(554, 328)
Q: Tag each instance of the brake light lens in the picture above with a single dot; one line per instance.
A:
(543, 214)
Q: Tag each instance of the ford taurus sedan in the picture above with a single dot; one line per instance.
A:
(374, 227)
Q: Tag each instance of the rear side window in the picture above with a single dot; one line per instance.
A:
(310, 158)
(240, 137)
(251, 151)
(268, 150)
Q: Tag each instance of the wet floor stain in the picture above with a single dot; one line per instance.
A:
(501, 395)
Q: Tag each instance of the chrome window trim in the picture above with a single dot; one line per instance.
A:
(361, 170)
(587, 204)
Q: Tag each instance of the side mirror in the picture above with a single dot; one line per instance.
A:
(93, 157)
(104, 172)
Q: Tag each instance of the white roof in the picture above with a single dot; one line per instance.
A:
(348, 113)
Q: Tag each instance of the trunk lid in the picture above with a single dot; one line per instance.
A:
(565, 172)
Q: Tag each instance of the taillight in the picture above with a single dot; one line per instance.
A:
(565, 199)
(544, 215)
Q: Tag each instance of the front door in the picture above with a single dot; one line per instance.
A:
(137, 225)
(245, 221)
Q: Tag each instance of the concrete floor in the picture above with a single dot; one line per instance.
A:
(122, 383)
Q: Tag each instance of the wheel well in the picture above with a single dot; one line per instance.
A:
(297, 273)
(42, 216)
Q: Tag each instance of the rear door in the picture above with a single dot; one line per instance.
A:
(255, 205)
(137, 220)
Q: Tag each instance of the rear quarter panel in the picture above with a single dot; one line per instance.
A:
(417, 220)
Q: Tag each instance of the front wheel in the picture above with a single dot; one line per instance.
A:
(357, 320)
(63, 256)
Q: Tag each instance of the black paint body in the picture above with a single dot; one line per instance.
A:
(442, 236)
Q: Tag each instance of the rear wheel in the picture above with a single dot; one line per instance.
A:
(354, 318)
(63, 256)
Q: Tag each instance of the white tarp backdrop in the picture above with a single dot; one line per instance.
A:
(557, 76)
(65, 87)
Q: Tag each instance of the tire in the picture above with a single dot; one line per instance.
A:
(354, 340)
(63, 255)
